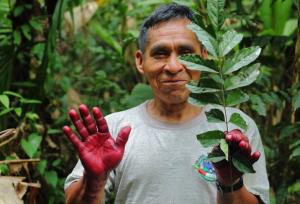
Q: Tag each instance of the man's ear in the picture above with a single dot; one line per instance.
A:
(139, 61)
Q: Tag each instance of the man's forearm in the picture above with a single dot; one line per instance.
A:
(237, 197)
(87, 190)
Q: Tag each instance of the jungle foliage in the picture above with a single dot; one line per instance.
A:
(54, 56)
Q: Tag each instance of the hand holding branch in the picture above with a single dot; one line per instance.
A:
(238, 142)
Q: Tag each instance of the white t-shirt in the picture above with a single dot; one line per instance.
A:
(157, 166)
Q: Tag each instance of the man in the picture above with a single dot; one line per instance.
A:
(157, 164)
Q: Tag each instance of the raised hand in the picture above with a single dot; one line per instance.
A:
(98, 151)
(227, 173)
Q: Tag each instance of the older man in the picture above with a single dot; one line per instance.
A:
(157, 164)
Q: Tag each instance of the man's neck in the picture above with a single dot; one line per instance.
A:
(172, 113)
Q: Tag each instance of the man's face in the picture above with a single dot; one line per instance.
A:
(160, 65)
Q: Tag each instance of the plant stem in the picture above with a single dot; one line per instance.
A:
(226, 120)
(223, 95)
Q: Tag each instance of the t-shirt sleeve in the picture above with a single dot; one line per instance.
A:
(257, 183)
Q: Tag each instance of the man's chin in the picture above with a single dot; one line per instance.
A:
(176, 98)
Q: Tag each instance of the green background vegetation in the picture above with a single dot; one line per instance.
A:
(47, 68)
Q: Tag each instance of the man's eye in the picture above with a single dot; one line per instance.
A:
(160, 54)
(185, 52)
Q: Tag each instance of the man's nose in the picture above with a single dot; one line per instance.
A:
(173, 65)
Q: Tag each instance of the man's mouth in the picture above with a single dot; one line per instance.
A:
(174, 82)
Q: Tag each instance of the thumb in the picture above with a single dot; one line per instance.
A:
(123, 136)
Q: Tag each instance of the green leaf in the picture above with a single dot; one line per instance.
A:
(31, 145)
(216, 78)
(290, 27)
(195, 89)
(56, 163)
(241, 59)
(216, 156)
(215, 10)
(287, 131)
(18, 111)
(41, 167)
(258, 105)
(194, 62)
(241, 163)
(12, 94)
(210, 138)
(53, 131)
(294, 188)
(295, 153)
(26, 31)
(4, 170)
(106, 36)
(18, 10)
(38, 50)
(32, 116)
(229, 40)
(215, 115)
(4, 100)
(210, 81)
(51, 178)
(36, 25)
(275, 14)
(17, 37)
(29, 101)
(296, 100)
(204, 99)
(139, 94)
(236, 97)
(238, 120)
(224, 147)
(205, 38)
(272, 98)
(5, 111)
(196, 102)
(294, 145)
(243, 78)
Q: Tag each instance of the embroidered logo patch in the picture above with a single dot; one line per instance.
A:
(205, 168)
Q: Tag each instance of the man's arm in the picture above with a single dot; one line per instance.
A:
(237, 197)
(86, 190)
(98, 151)
(223, 169)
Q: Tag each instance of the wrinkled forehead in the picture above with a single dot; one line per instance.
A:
(174, 30)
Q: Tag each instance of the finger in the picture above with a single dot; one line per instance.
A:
(102, 137)
(255, 156)
(100, 120)
(123, 136)
(245, 147)
(73, 138)
(87, 119)
(78, 124)
(237, 136)
(228, 137)
(233, 135)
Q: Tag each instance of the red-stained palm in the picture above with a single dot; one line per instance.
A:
(98, 151)
(227, 173)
